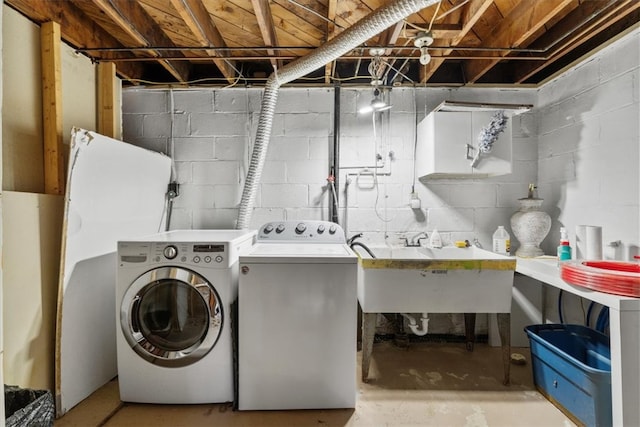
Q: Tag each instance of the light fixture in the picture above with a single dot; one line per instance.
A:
(423, 40)
(376, 68)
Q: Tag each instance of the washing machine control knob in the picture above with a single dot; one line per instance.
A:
(268, 229)
(280, 228)
(332, 229)
(320, 229)
(300, 228)
(170, 252)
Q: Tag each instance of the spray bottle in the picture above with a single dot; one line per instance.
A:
(564, 249)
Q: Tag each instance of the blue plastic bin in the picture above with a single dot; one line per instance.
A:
(572, 368)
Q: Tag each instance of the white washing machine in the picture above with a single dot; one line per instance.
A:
(173, 297)
(297, 315)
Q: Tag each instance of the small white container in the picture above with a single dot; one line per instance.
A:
(435, 241)
(501, 241)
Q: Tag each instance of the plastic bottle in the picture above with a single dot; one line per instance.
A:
(501, 241)
(564, 249)
(435, 241)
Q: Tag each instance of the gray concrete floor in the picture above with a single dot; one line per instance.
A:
(426, 384)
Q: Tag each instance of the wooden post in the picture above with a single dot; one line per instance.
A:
(54, 176)
(106, 99)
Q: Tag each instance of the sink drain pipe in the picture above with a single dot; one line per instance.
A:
(359, 33)
(421, 329)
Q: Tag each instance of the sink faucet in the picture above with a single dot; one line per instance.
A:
(415, 240)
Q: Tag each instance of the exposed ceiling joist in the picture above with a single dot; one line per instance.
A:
(136, 22)
(505, 42)
(527, 17)
(267, 29)
(197, 18)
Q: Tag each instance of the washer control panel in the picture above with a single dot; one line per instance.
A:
(213, 255)
(311, 231)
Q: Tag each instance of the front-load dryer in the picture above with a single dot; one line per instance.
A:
(173, 297)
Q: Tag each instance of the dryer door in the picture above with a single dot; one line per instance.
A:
(171, 316)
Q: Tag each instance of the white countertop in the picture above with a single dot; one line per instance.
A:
(545, 269)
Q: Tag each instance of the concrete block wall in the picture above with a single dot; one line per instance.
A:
(589, 156)
(209, 133)
(589, 147)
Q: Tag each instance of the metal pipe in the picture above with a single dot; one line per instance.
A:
(359, 33)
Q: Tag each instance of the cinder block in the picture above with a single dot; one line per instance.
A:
(263, 215)
(193, 148)
(218, 124)
(132, 126)
(145, 101)
(215, 219)
(284, 195)
(232, 100)
(274, 172)
(303, 214)
(480, 195)
(321, 100)
(311, 124)
(292, 100)
(160, 125)
(216, 172)
(227, 196)
(231, 147)
(181, 219)
(195, 196)
(288, 148)
(445, 219)
(319, 147)
(307, 172)
(193, 101)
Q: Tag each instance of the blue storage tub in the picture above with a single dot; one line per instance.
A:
(572, 368)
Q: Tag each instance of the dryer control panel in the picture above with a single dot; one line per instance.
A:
(310, 231)
(212, 255)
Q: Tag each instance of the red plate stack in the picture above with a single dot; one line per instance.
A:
(612, 277)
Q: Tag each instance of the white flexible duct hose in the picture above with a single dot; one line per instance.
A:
(359, 33)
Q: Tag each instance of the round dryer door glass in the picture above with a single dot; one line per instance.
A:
(171, 316)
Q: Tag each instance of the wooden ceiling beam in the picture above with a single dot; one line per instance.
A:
(198, 19)
(332, 7)
(514, 30)
(265, 23)
(135, 21)
(617, 12)
(471, 14)
(77, 29)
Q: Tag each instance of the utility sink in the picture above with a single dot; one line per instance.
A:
(446, 280)
(424, 280)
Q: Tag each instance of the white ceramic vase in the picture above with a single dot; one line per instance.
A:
(530, 225)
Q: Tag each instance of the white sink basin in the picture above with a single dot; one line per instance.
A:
(446, 280)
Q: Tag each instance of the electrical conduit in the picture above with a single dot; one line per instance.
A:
(359, 33)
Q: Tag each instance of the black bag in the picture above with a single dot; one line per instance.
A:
(26, 407)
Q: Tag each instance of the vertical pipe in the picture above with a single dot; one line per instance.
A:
(334, 156)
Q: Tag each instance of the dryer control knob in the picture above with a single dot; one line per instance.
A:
(170, 252)
(300, 228)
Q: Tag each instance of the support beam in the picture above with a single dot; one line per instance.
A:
(605, 19)
(198, 19)
(107, 99)
(267, 29)
(471, 14)
(54, 176)
(332, 7)
(528, 17)
(135, 21)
